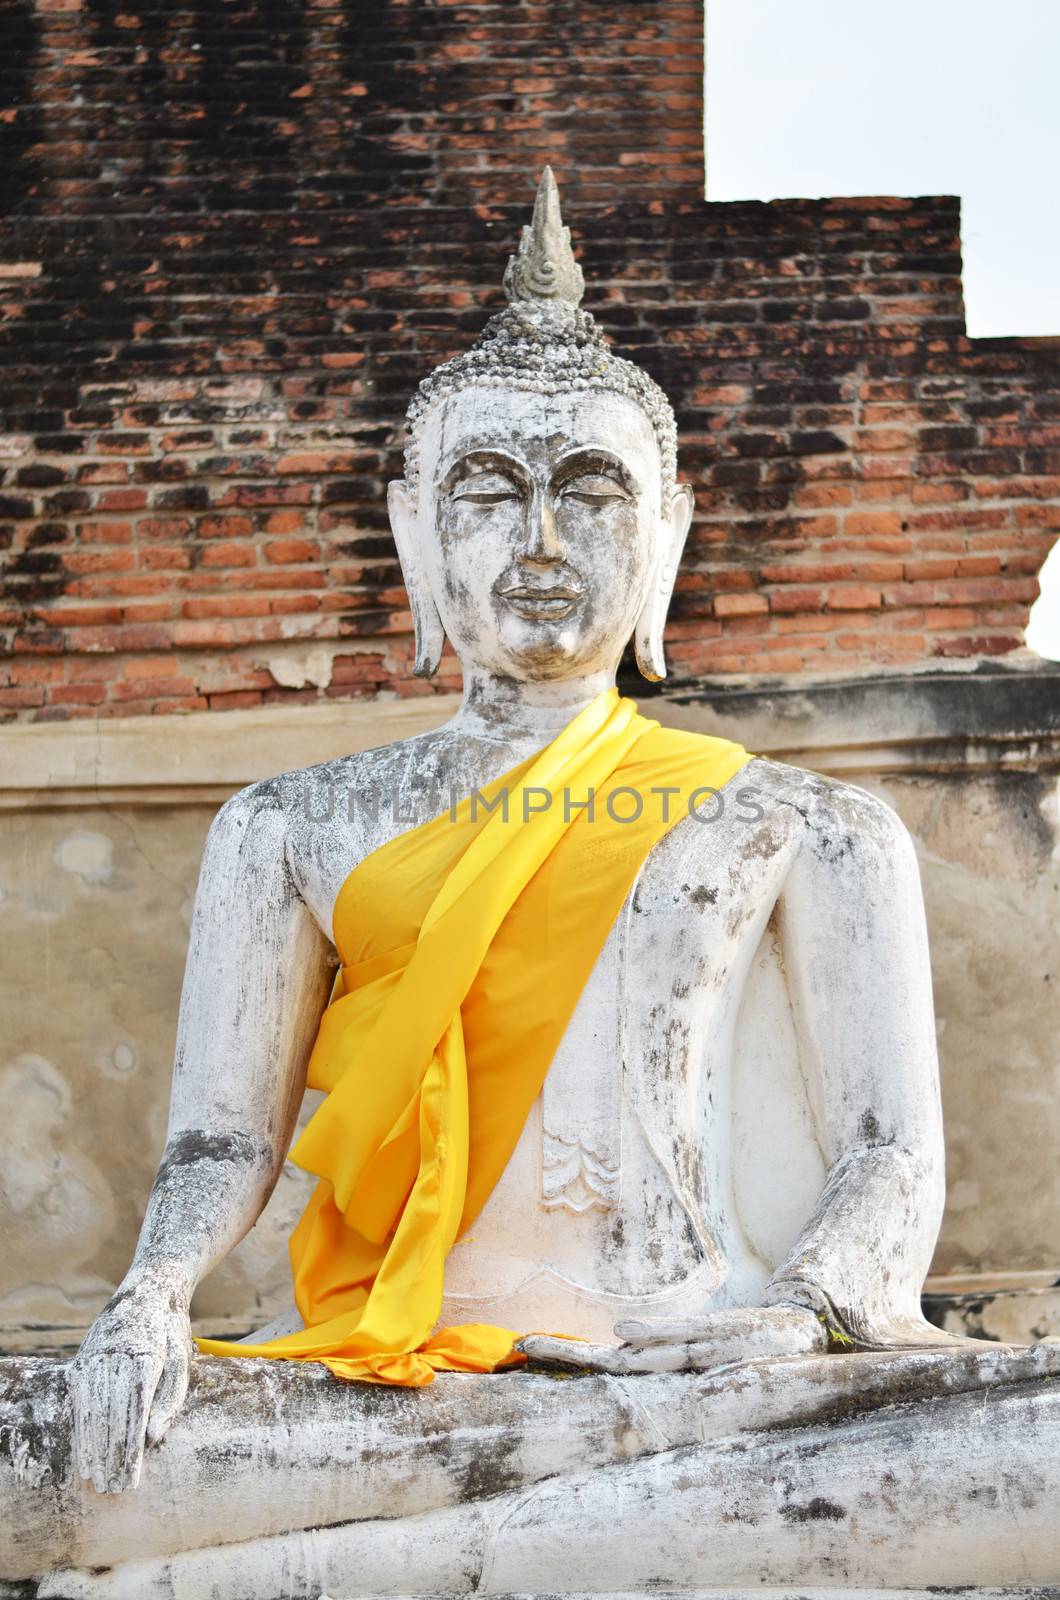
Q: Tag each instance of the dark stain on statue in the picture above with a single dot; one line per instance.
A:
(831, 848)
(748, 1519)
(761, 845)
(38, 1426)
(816, 1510)
(22, 1589)
(493, 1469)
(188, 1149)
(690, 1162)
(675, 1047)
(118, 1298)
(741, 913)
(869, 1127)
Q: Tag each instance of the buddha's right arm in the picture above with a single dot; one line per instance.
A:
(256, 980)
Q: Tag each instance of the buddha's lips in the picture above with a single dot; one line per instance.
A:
(534, 602)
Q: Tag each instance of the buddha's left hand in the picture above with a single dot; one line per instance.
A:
(745, 1334)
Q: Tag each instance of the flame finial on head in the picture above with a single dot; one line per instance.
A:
(544, 267)
(544, 343)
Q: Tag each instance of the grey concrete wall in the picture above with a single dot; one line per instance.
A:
(101, 831)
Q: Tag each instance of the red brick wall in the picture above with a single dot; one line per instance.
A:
(236, 237)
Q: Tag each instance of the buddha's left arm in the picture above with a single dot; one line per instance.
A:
(855, 953)
(855, 949)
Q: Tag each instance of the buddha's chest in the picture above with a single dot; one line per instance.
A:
(618, 1189)
(617, 1183)
(641, 1076)
(652, 1019)
(662, 987)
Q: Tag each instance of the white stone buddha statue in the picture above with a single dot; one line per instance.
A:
(728, 1189)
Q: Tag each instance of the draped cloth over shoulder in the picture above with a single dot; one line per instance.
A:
(465, 945)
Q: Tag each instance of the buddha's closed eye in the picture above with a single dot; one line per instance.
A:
(486, 489)
(593, 488)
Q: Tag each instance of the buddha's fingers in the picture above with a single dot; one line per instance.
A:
(711, 1353)
(135, 1380)
(87, 1423)
(656, 1358)
(620, 1361)
(689, 1330)
(703, 1355)
(752, 1331)
(172, 1386)
(101, 1388)
(576, 1355)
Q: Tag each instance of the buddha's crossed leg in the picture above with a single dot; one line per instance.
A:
(917, 1467)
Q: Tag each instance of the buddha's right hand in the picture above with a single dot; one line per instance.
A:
(129, 1378)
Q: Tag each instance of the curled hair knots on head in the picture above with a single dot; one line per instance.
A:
(544, 343)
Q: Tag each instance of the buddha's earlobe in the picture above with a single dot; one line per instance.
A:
(648, 635)
(430, 635)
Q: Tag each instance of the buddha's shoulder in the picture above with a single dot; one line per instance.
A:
(285, 801)
(830, 817)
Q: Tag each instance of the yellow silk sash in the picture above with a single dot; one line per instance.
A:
(465, 944)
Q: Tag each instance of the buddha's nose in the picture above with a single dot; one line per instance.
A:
(542, 542)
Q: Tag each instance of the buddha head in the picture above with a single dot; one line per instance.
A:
(539, 522)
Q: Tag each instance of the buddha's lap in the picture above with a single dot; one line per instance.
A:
(964, 1442)
(264, 1447)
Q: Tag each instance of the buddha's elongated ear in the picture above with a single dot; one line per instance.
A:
(430, 635)
(648, 635)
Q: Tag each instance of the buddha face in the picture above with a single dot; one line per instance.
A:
(540, 530)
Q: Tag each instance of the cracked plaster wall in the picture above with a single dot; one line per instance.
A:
(989, 852)
(94, 911)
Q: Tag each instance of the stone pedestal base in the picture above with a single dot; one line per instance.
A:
(849, 1474)
(1035, 1592)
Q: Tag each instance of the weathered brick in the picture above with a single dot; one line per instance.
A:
(150, 667)
(739, 605)
(233, 605)
(26, 674)
(204, 381)
(872, 522)
(23, 699)
(278, 522)
(225, 527)
(853, 597)
(236, 700)
(783, 600)
(229, 554)
(949, 617)
(204, 635)
(283, 551)
(164, 687)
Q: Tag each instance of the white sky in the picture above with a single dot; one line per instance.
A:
(814, 97)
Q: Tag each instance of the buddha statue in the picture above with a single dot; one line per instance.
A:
(619, 1291)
